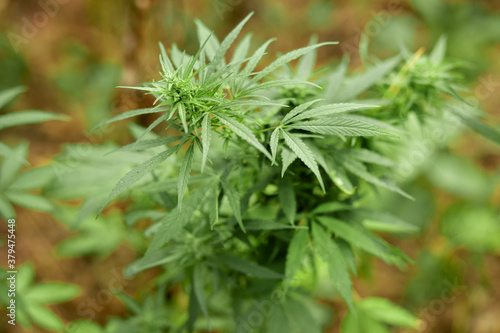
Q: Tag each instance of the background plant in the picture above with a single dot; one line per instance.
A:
(434, 163)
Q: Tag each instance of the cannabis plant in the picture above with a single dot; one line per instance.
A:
(259, 209)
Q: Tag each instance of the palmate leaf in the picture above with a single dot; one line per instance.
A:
(136, 174)
(243, 132)
(329, 251)
(339, 126)
(28, 117)
(304, 154)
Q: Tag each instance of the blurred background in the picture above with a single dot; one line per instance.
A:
(72, 54)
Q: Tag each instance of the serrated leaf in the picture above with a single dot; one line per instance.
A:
(206, 136)
(165, 61)
(339, 126)
(6, 209)
(287, 199)
(296, 250)
(130, 114)
(171, 225)
(52, 292)
(158, 258)
(304, 154)
(28, 117)
(241, 51)
(275, 136)
(246, 102)
(33, 179)
(268, 225)
(364, 81)
(329, 251)
(365, 240)
(477, 125)
(256, 57)
(275, 83)
(306, 63)
(146, 144)
(385, 311)
(243, 132)
(234, 201)
(359, 170)
(384, 222)
(213, 209)
(369, 156)
(128, 301)
(331, 109)
(8, 95)
(295, 111)
(439, 51)
(182, 116)
(336, 79)
(286, 58)
(44, 318)
(30, 201)
(331, 207)
(136, 174)
(226, 43)
(184, 174)
(338, 176)
(13, 163)
(288, 157)
(203, 33)
(248, 267)
(348, 254)
(199, 291)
